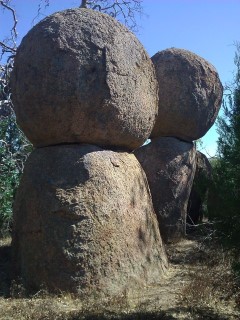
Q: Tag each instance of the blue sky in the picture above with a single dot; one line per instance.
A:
(208, 28)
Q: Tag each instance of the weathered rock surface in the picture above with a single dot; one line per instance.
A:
(202, 178)
(169, 165)
(80, 76)
(189, 97)
(84, 222)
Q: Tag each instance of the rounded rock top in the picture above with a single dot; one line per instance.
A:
(190, 94)
(82, 77)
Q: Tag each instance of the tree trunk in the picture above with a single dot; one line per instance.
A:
(83, 4)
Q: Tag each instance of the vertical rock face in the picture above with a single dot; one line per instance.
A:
(169, 165)
(202, 177)
(82, 77)
(84, 222)
(190, 94)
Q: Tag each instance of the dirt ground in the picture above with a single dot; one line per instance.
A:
(198, 285)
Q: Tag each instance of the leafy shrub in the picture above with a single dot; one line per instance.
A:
(14, 149)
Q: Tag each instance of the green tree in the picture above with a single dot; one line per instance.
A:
(14, 149)
(224, 204)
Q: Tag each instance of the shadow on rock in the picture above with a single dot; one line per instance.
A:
(5, 261)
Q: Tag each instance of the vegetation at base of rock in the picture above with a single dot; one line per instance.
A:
(224, 196)
(14, 149)
(212, 278)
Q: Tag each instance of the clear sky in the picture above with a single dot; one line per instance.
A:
(208, 28)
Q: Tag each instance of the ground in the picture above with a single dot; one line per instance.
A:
(198, 285)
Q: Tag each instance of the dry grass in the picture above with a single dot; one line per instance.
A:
(212, 283)
(66, 307)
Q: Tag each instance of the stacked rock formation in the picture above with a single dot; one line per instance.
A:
(83, 216)
(190, 95)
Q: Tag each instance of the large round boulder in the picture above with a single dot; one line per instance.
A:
(169, 165)
(81, 76)
(84, 223)
(190, 94)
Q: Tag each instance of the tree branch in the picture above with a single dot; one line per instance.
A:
(124, 10)
(83, 4)
(7, 48)
(14, 28)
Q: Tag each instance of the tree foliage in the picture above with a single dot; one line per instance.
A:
(14, 149)
(12, 141)
(224, 204)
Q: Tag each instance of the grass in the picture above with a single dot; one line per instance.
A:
(212, 282)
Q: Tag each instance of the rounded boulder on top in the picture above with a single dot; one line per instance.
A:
(190, 94)
(82, 77)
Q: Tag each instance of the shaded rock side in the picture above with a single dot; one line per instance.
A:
(198, 195)
(81, 76)
(169, 165)
(84, 223)
(190, 94)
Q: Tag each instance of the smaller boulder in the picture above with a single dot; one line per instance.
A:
(190, 94)
(169, 164)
